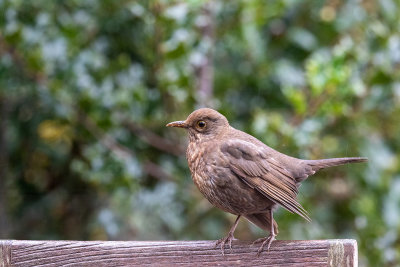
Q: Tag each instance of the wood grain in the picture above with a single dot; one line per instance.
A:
(175, 253)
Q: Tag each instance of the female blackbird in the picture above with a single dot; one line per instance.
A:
(239, 174)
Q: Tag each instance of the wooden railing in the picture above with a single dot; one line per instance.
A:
(340, 252)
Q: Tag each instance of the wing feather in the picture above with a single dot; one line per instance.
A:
(257, 168)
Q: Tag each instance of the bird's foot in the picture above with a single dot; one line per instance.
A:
(265, 241)
(227, 239)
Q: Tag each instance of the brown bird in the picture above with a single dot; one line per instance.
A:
(239, 174)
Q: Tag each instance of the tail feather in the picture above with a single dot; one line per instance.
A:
(325, 163)
(262, 220)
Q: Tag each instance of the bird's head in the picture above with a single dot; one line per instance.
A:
(204, 123)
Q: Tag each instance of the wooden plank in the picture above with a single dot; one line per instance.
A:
(176, 253)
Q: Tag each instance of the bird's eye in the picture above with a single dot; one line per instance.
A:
(201, 124)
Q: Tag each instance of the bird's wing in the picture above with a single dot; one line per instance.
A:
(257, 167)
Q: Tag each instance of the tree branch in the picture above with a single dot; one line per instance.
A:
(122, 152)
(20, 62)
(205, 71)
(5, 225)
(155, 140)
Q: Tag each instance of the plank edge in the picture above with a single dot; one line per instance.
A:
(343, 252)
(5, 253)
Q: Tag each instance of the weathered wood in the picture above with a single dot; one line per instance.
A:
(177, 253)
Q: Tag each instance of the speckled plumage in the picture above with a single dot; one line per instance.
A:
(239, 174)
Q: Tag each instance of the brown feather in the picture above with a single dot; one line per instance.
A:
(277, 185)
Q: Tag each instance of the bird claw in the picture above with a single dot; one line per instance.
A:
(265, 241)
(227, 239)
(262, 239)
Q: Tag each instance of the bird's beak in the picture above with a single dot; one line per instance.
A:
(180, 124)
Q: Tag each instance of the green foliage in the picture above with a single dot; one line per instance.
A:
(86, 88)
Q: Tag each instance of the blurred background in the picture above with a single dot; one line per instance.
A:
(86, 88)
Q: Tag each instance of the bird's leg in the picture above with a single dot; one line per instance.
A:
(228, 238)
(267, 240)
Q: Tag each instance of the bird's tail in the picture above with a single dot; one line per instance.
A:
(325, 163)
(262, 220)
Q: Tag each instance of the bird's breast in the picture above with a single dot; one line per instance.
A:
(196, 155)
(202, 161)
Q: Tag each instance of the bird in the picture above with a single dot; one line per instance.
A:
(241, 175)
